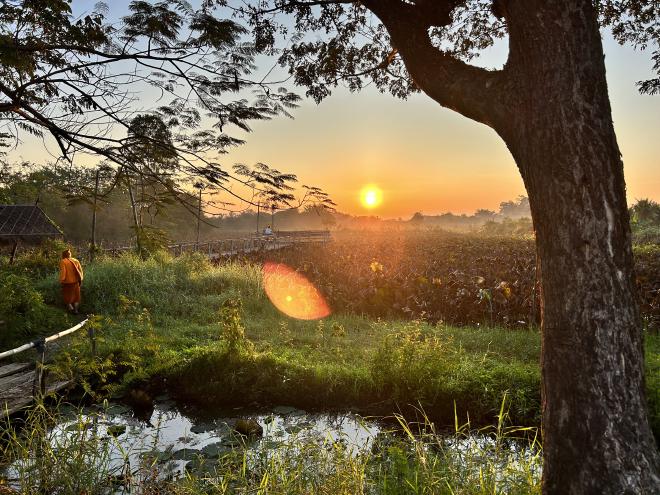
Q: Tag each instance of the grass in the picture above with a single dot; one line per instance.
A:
(160, 327)
(209, 336)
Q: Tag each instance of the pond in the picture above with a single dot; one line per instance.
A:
(179, 442)
(165, 443)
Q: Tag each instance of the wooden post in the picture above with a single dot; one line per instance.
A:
(91, 333)
(39, 384)
(13, 252)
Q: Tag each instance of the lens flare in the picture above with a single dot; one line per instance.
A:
(292, 293)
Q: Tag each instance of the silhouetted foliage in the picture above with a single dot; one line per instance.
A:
(78, 80)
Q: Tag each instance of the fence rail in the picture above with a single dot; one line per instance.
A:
(36, 343)
(23, 383)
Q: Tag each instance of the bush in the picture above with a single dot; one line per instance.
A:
(408, 362)
(233, 331)
(37, 262)
(23, 312)
(646, 234)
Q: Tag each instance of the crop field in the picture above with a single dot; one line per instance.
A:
(436, 276)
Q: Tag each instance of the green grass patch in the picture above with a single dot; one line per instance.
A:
(209, 335)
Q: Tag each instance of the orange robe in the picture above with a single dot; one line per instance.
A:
(71, 275)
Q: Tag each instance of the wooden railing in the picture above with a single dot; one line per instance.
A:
(13, 403)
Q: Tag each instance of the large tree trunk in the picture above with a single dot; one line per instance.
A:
(596, 436)
(550, 105)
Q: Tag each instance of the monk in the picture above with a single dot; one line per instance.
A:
(71, 276)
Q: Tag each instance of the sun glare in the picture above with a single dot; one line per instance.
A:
(371, 196)
(292, 293)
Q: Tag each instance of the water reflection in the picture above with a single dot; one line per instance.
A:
(289, 442)
(176, 441)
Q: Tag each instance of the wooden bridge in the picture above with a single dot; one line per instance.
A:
(226, 248)
(21, 383)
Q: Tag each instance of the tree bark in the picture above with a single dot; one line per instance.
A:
(596, 434)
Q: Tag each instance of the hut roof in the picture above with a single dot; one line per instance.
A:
(25, 222)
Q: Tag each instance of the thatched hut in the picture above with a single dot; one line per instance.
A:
(25, 224)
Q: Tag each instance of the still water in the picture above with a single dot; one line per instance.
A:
(171, 443)
(177, 441)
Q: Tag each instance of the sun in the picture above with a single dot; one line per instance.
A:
(371, 196)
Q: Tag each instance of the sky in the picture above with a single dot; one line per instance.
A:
(430, 159)
(421, 156)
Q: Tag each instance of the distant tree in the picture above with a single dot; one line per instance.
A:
(64, 192)
(417, 218)
(645, 211)
(482, 215)
(328, 221)
(516, 208)
(150, 174)
(273, 190)
(550, 105)
(645, 216)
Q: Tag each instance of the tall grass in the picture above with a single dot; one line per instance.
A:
(170, 287)
(38, 460)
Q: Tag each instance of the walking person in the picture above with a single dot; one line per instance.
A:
(71, 276)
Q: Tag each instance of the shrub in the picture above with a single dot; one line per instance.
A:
(23, 312)
(39, 261)
(233, 331)
(408, 362)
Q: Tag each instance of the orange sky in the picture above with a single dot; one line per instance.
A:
(423, 157)
(430, 159)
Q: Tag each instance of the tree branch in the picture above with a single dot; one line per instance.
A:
(471, 91)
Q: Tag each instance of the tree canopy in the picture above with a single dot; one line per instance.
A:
(85, 82)
(332, 42)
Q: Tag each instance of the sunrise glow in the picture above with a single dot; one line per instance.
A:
(371, 196)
